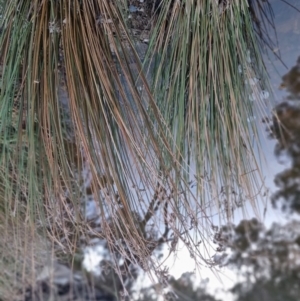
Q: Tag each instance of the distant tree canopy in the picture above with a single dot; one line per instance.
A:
(286, 129)
(268, 259)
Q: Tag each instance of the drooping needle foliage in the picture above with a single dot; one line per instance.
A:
(207, 62)
(81, 117)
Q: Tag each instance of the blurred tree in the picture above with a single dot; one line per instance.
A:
(267, 259)
(285, 129)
